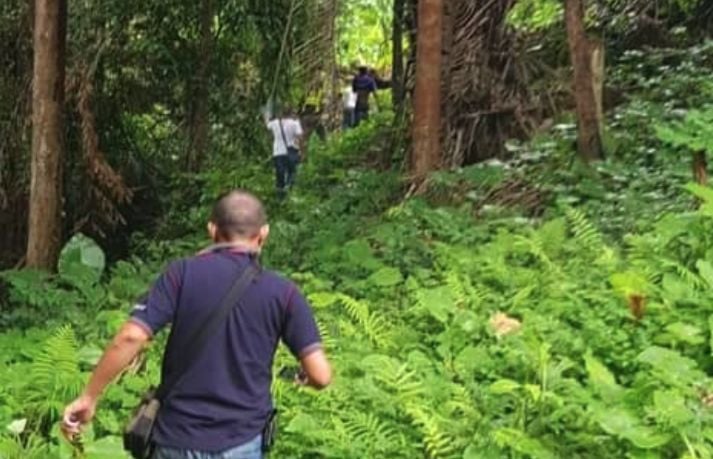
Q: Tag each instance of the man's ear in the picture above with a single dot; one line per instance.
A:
(263, 234)
(213, 231)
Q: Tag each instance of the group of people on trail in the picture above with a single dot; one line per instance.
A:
(227, 315)
(356, 96)
(288, 134)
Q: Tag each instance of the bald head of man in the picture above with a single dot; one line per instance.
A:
(238, 217)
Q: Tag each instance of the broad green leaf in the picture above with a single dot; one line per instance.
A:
(106, 448)
(438, 302)
(520, 442)
(670, 407)
(646, 437)
(302, 423)
(81, 260)
(358, 253)
(671, 366)
(601, 379)
(386, 277)
(320, 300)
(89, 355)
(622, 423)
(685, 333)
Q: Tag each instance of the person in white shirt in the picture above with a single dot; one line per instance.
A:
(349, 100)
(287, 136)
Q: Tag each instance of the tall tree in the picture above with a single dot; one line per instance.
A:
(426, 125)
(49, 39)
(199, 123)
(397, 56)
(589, 140)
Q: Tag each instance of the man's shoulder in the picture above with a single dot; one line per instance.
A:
(276, 280)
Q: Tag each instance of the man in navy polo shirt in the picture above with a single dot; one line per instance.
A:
(363, 85)
(223, 402)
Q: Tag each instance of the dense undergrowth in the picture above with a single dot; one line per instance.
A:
(528, 308)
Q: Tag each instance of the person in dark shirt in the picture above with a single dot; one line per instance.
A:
(363, 86)
(223, 402)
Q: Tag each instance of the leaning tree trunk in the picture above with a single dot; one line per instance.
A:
(426, 126)
(199, 124)
(397, 56)
(589, 141)
(49, 37)
(700, 168)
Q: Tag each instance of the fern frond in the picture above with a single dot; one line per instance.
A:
(328, 340)
(536, 247)
(461, 402)
(585, 233)
(373, 325)
(692, 279)
(438, 444)
(458, 289)
(367, 429)
(55, 376)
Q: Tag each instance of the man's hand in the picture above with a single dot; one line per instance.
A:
(127, 343)
(78, 414)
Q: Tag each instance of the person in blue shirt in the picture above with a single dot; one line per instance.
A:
(363, 86)
(224, 400)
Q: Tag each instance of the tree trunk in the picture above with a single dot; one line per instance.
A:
(49, 37)
(700, 165)
(426, 126)
(397, 57)
(199, 122)
(589, 141)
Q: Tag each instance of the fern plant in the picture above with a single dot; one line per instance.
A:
(54, 377)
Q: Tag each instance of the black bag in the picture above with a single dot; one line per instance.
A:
(138, 433)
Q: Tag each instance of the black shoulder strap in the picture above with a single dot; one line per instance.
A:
(284, 139)
(208, 328)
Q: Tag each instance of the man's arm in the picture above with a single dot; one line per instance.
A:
(125, 346)
(301, 335)
(316, 368)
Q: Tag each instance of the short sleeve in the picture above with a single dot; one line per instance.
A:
(300, 333)
(157, 308)
(298, 128)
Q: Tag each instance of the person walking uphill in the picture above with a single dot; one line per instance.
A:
(220, 405)
(363, 85)
(287, 135)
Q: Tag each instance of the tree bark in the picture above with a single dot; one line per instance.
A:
(199, 123)
(397, 57)
(426, 126)
(49, 38)
(589, 141)
(700, 168)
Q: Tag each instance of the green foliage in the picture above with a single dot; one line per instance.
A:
(365, 33)
(536, 15)
(408, 294)
(694, 132)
